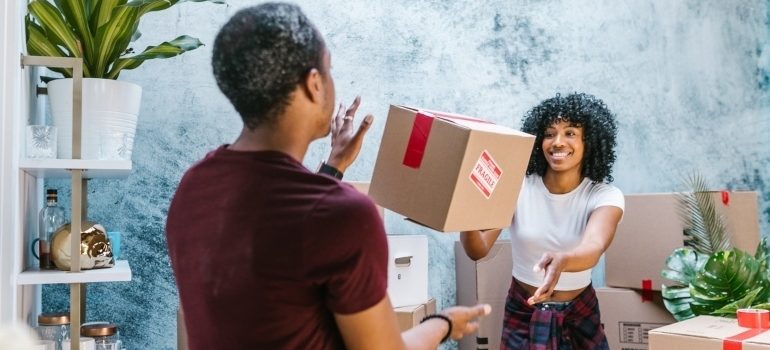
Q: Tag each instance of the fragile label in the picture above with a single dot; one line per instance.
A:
(485, 174)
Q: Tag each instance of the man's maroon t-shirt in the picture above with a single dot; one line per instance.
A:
(265, 252)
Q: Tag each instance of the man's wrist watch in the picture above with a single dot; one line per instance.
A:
(329, 170)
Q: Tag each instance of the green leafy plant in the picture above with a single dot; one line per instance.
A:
(705, 230)
(99, 31)
(713, 278)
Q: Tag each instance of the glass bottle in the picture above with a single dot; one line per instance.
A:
(53, 328)
(51, 219)
(105, 335)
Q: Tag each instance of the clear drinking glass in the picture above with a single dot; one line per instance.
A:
(116, 146)
(41, 141)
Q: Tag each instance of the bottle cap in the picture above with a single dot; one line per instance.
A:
(53, 318)
(98, 329)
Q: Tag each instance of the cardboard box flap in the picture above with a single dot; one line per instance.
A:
(711, 327)
(468, 122)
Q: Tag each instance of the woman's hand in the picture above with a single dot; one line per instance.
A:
(551, 264)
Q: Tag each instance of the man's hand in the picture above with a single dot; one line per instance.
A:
(345, 143)
(465, 319)
(553, 265)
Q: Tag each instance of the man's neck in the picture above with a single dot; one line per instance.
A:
(271, 138)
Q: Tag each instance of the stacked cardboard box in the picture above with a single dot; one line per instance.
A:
(484, 281)
(411, 315)
(650, 231)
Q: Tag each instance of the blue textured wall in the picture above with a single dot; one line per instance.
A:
(687, 79)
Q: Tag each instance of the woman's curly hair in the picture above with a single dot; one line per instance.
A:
(599, 132)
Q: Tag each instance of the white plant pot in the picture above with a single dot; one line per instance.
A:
(110, 111)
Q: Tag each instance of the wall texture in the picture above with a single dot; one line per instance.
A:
(688, 81)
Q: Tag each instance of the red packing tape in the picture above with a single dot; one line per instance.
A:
(647, 293)
(418, 140)
(757, 320)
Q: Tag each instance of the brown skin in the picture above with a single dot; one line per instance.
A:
(563, 149)
(309, 117)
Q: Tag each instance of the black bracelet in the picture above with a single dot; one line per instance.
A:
(329, 170)
(448, 322)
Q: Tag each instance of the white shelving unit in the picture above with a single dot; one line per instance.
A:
(121, 272)
(62, 168)
(35, 171)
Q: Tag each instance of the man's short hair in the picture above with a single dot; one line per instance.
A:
(259, 57)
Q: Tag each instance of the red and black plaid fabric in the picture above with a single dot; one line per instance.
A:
(576, 326)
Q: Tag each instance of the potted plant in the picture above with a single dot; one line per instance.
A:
(713, 277)
(101, 33)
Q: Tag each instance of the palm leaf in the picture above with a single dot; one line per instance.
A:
(704, 227)
(164, 50)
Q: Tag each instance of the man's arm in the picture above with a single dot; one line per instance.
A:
(376, 328)
(345, 143)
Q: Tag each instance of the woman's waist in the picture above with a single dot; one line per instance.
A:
(557, 296)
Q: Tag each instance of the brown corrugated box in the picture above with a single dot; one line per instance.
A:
(466, 177)
(628, 316)
(486, 280)
(705, 333)
(651, 229)
(410, 316)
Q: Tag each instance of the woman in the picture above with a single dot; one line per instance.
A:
(566, 217)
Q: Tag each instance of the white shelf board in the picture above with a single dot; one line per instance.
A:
(120, 272)
(60, 168)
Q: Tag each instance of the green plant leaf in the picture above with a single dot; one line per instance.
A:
(683, 264)
(705, 230)
(677, 300)
(731, 309)
(75, 14)
(103, 12)
(99, 31)
(54, 26)
(727, 277)
(763, 253)
(164, 50)
(38, 45)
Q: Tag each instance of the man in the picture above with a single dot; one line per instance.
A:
(267, 254)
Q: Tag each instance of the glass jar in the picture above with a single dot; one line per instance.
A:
(54, 327)
(105, 335)
(85, 344)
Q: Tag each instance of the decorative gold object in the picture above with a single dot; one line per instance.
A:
(95, 248)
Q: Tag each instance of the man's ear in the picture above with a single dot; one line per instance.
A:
(313, 85)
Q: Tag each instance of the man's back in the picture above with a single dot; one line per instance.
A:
(265, 251)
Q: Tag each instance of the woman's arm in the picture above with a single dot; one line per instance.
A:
(599, 232)
(478, 243)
